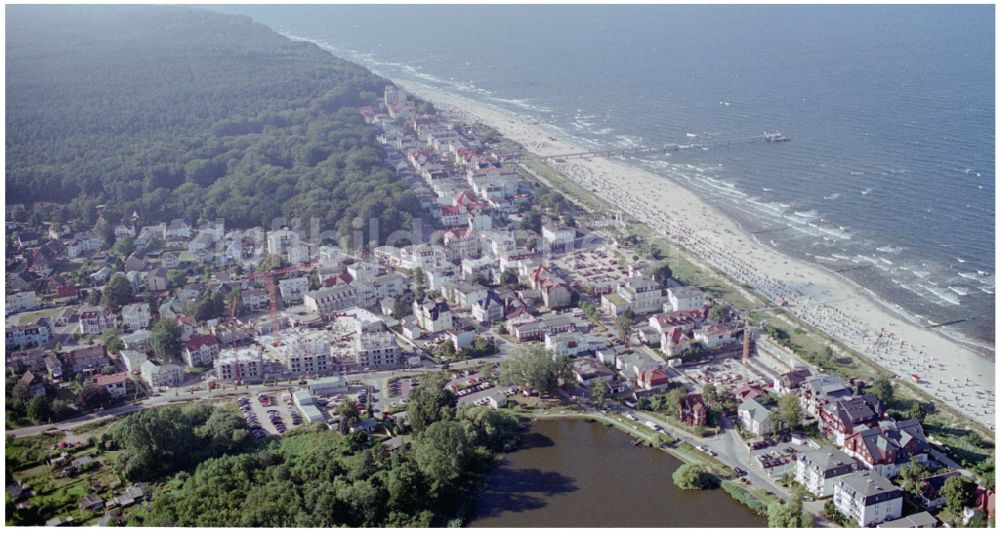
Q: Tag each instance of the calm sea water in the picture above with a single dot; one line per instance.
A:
(890, 110)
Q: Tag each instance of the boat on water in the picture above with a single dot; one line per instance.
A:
(775, 137)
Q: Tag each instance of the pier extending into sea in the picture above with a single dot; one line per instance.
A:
(766, 137)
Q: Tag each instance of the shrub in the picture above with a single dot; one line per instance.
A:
(694, 476)
(743, 496)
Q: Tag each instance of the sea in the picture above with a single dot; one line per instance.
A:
(889, 177)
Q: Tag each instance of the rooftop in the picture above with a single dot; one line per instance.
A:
(919, 520)
(827, 458)
(869, 484)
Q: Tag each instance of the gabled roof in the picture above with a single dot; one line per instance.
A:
(492, 299)
(795, 377)
(434, 308)
(134, 307)
(919, 520)
(29, 379)
(751, 392)
(826, 385)
(198, 341)
(758, 412)
(906, 437)
(852, 411)
(826, 458)
(92, 351)
(107, 380)
(872, 486)
(655, 374)
(458, 234)
(677, 318)
(693, 401)
(91, 311)
(91, 500)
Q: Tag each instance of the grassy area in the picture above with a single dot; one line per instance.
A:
(31, 316)
(27, 452)
(554, 179)
(54, 495)
(98, 427)
(756, 500)
(673, 422)
(300, 445)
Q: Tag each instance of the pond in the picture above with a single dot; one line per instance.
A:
(572, 473)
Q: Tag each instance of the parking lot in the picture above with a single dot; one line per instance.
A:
(779, 458)
(267, 416)
(473, 387)
(399, 387)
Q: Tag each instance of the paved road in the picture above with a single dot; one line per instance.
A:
(181, 395)
(729, 450)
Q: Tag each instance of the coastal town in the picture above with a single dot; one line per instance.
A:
(289, 325)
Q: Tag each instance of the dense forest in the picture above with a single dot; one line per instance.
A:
(313, 477)
(181, 112)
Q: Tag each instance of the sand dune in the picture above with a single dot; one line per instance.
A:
(954, 374)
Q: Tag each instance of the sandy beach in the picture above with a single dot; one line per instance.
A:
(948, 371)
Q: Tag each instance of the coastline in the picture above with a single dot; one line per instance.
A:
(842, 309)
(979, 346)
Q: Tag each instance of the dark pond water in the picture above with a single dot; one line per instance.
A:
(580, 474)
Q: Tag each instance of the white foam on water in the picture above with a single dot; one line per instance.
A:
(945, 296)
(797, 219)
(982, 277)
(836, 233)
(582, 123)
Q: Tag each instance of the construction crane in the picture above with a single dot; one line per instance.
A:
(272, 291)
(275, 322)
(231, 325)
